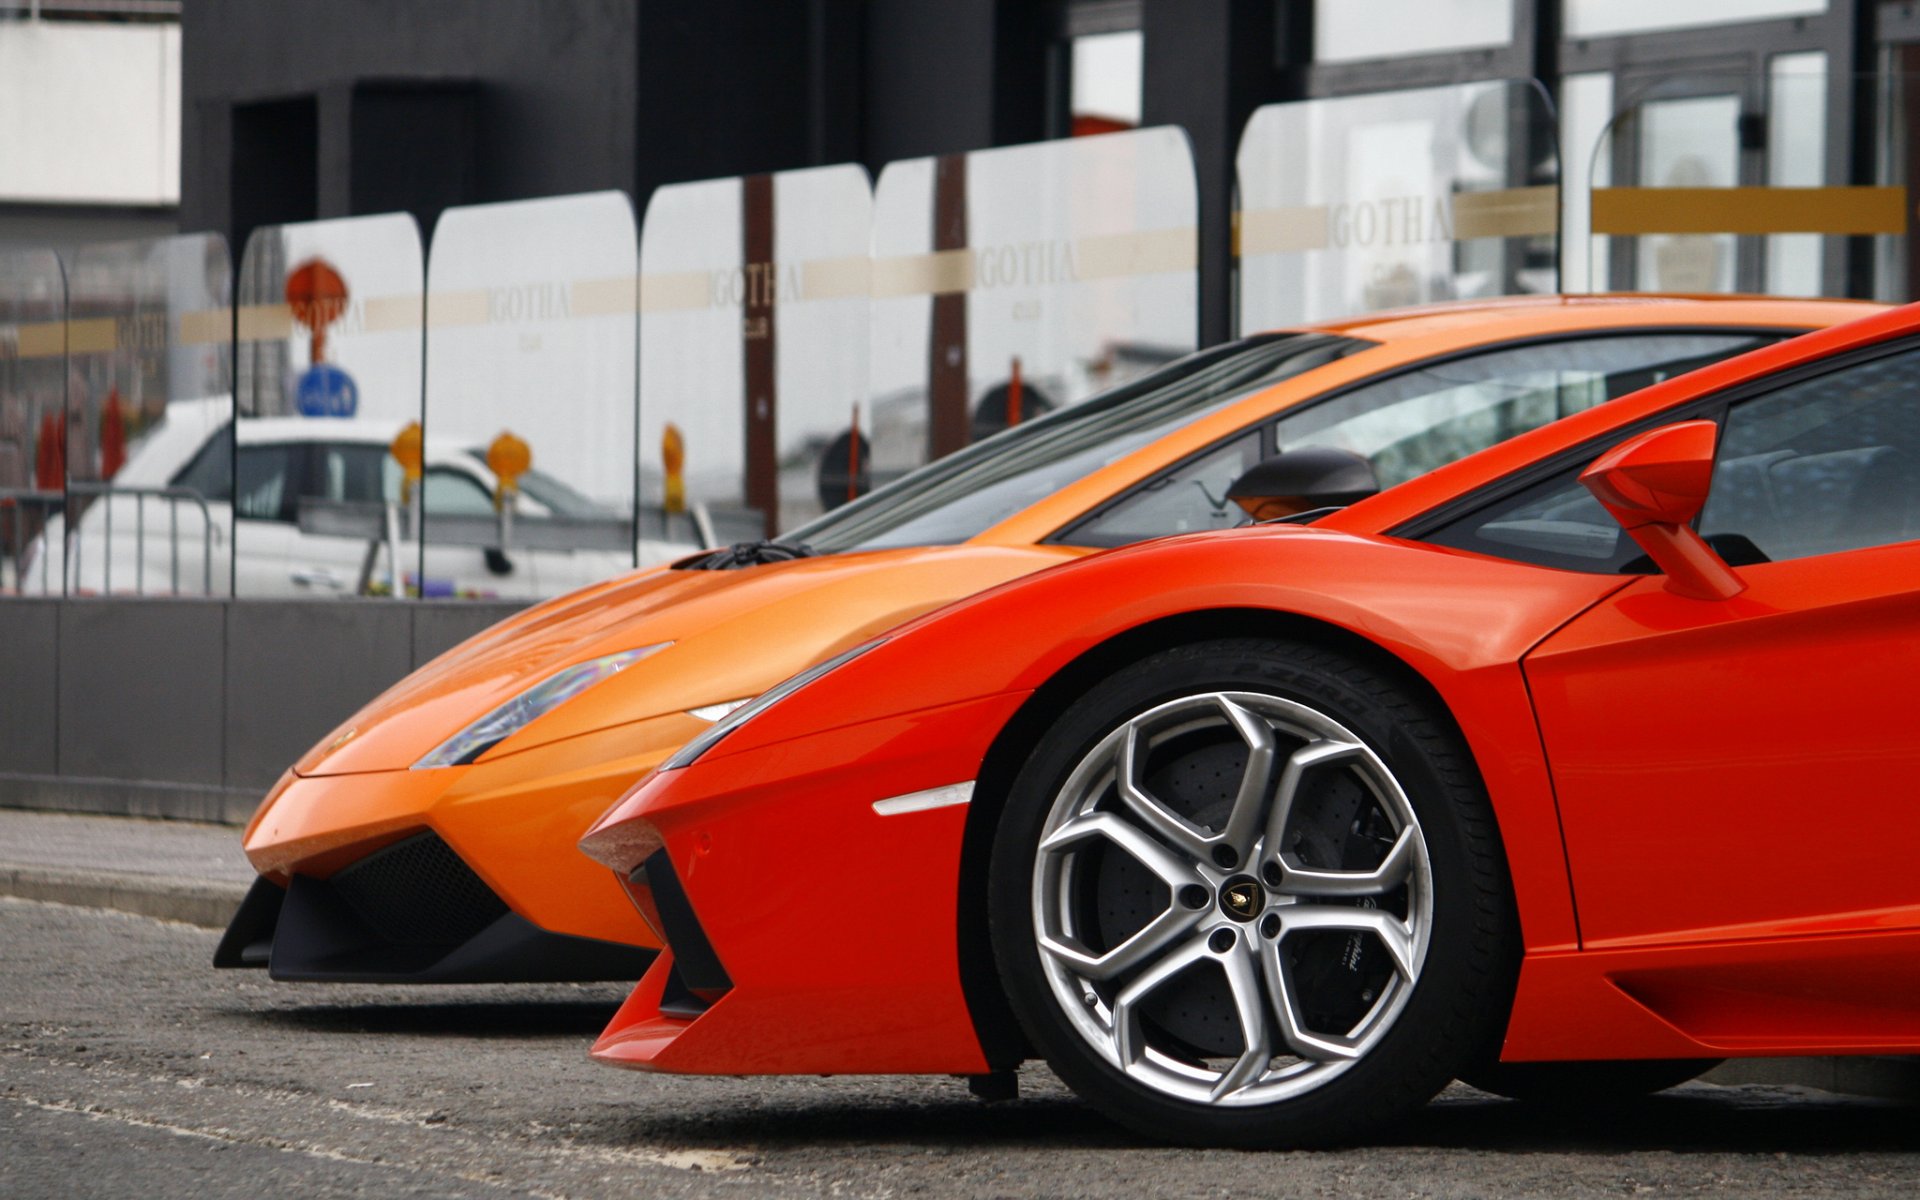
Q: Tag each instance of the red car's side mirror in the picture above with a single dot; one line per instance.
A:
(1655, 485)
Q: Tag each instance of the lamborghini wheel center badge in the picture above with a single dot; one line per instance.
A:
(1240, 899)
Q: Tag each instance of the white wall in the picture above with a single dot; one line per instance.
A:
(89, 114)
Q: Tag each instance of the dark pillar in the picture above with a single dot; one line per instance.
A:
(1209, 64)
(723, 89)
(953, 76)
(276, 157)
(836, 77)
(416, 148)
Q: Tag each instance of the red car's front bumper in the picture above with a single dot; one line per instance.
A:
(815, 933)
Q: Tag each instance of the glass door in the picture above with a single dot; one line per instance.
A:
(1686, 126)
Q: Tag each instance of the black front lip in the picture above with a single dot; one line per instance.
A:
(432, 921)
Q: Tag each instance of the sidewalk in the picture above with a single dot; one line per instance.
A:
(175, 870)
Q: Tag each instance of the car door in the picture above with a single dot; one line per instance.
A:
(460, 570)
(1746, 768)
(266, 483)
(187, 543)
(324, 564)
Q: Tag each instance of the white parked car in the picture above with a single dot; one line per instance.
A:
(301, 501)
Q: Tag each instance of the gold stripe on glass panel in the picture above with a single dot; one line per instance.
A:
(1636, 211)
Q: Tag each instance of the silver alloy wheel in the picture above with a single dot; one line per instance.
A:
(1240, 900)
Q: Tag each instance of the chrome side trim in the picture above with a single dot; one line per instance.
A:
(912, 802)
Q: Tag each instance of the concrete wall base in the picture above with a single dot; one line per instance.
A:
(130, 798)
(190, 709)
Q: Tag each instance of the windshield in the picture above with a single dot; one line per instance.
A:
(557, 497)
(974, 489)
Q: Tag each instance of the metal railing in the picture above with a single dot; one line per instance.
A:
(173, 498)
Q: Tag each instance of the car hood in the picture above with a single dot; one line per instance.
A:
(733, 634)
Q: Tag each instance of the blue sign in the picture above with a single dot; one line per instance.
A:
(326, 391)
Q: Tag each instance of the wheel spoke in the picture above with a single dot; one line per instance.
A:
(1149, 940)
(1313, 754)
(1393, 933)
(1126, 1021)
(1390, 874)
(1249, 1005)
(1169, 825)
(1293, 1028)
(1172, 870)
(1250, 802)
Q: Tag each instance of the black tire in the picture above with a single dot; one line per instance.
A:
(1586, 1084)
(1453, 1013)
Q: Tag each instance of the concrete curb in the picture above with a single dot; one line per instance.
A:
(193, 901)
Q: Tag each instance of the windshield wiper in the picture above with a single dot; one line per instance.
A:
(1303, 518)
(746, 554)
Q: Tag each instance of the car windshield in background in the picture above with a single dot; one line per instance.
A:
(974, 489)
(557, 497)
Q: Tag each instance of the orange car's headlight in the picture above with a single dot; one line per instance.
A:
(542, 698)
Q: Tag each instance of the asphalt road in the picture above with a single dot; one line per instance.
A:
(129, 1067)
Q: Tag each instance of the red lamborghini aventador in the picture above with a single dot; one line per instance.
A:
(1571, 766)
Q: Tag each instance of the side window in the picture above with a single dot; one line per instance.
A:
(1411, 423)
(1822, 466)
(1556, 523)
(211, 471)
(1189, 498)
(266, 482)
(448, 493)
(1825, 465)
(349, 472)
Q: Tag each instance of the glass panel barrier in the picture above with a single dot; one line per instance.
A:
(1719, 183)
(328, 366)
(753, 355)
(1361, 203)
(149, 385)
(527, 465)
(33, 386)
(1013, 281)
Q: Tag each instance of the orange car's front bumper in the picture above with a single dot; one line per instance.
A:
(513, 820)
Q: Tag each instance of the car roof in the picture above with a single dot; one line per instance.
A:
(1467, 317)
(190, 421)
